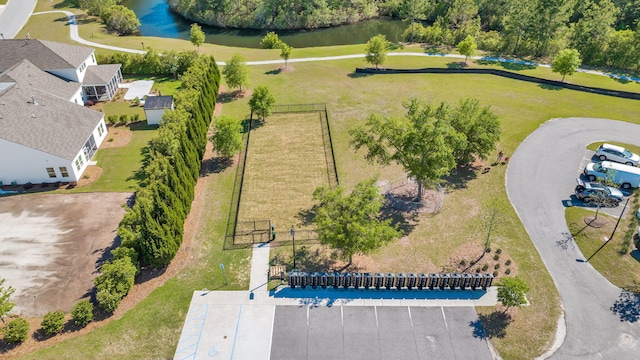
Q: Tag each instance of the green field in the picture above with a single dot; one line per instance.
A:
(151, 330)
(285, 164)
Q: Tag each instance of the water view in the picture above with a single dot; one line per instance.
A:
(157, 20)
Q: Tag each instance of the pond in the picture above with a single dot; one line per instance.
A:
(157, 20)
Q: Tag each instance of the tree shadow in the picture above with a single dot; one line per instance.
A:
(247, 124)
(215, 165)
(433, 50)
(230, 96)
(461, 175)
(357, 75)
(567, 241)
(66, 4)
(550, 87)
(489, 326)
(309, 260)
(405, 221)
(456, 65)
(627, 307)
(508, 64)
(305, 217)
(273, 72)
(149, 273)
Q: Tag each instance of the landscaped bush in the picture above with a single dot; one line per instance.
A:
(112, 119)
(124, 119)
(82, 313)
(114, 283)
(508, 262)
(16, 331)
(53, 322)
(485, 267)
(135, 117)
(171, 64)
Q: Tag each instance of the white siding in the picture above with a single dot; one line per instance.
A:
(30, 165)
(154, 116)
(69, 74)
(96, 132)
(77, 97)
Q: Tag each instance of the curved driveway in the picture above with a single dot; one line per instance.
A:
(540, 176)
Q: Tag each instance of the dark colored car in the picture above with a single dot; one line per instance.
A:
(594, 191)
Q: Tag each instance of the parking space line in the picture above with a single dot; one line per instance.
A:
(235, 336)
(445, 318)
(410, 318)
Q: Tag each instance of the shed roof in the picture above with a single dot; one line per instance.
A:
(158, 102)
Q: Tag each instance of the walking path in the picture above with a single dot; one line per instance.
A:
(73, 28)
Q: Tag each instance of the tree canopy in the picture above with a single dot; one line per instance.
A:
(430, 141)
(227, 137)
(467, 47)
(376, 50)
(121, 19)
(236, 73)
(351, 222)
(512, 291)
(285, 53)
(196, 35)
(262, 102)
(271, 41)
(566, 62)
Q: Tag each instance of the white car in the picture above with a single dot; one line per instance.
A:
(617, 154)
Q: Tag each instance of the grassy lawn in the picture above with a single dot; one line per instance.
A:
(633, 148)
(285, 164)
(122, 108)
(3, 2)
(121, 164)
(151, 330)
(621, 270)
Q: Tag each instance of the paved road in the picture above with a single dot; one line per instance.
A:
(541, 174)
(14, 16)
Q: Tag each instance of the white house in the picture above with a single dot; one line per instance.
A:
(46, 135)
(73, 63)
(155, 106)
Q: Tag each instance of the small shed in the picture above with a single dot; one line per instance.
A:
(155, 106)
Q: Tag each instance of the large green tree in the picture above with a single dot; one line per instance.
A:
(480, 128)
(566, 62)
(97, 7)
(467, 47)
(351, 222)
(121, 19)
(262, 102)
(591, 34)
(463, 19)
(6, 305)
(376, 50)
(512, 291)
(236, 73)
(227, 137)
(196, 35)
(422, 143)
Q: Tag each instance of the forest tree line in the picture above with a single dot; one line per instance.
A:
(605, 32)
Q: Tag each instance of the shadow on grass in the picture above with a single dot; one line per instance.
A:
(273, 72)
(550, 87)
(511, 66)
(66, 4)
(491, 326)
(461, 175)
(405, 221)
(215, 165)
(456, 65)
(627, 307)
(230, 96)
(434, 50)
(357, 75)
(309, 260)
(305, 217)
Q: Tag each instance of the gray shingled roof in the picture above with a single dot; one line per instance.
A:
(100, 74)
(158, 102)
(47, 55)
(54, 126)
(27, 75)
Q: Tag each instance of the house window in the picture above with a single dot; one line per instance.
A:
(100, 129)
(79, 163)
(63, 171)
(51, 172)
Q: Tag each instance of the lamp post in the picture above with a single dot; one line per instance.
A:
(292, 232)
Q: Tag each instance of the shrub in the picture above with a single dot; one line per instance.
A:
(508, 262)
(16, 331)
(495, 274)
(112, 119)
(271, 41)
(82, 313)
(496, 257)
(499, 251)
(485, 267)
(135, 117)
(508, 271)
(136, 101)
(463, 263)
(108, 300)
(114, 283)
(124, 119)
(497, 266)
(488, 250)
(53, 322)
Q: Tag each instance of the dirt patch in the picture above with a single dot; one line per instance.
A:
(52, 244)
(288, 68)
(404, 198)
(117, 136)
(91, 174)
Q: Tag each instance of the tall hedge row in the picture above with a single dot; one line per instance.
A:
(153, 226)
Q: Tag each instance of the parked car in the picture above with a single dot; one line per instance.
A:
(624, 175)
(617, 154)
(595, 191)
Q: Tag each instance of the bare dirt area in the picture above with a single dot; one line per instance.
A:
(52, 244)
(117, 136)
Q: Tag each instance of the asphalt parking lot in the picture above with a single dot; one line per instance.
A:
(375, 333)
